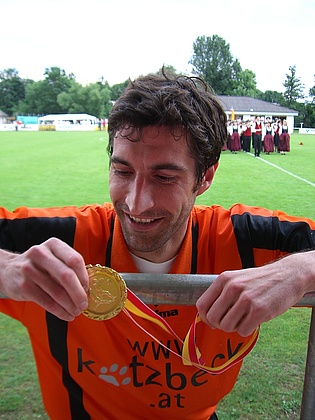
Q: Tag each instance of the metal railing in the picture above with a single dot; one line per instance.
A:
(185, 289)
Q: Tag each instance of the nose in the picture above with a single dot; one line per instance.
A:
(140, 196)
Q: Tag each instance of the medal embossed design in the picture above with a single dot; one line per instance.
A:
(107, 293)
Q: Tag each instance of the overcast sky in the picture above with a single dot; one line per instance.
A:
(118, 39)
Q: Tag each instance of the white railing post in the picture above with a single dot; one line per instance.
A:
(308, 400)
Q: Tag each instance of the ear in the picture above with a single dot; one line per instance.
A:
(207, 179)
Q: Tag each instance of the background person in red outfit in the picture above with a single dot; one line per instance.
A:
(268, 139)
(258, 128)
(247, 135)
(235, 139)
(284, 139)
(276, 136)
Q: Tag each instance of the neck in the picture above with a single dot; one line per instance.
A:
(160, 255)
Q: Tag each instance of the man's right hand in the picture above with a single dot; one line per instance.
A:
(51, 274)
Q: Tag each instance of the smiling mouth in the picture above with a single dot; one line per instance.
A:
(142, 220)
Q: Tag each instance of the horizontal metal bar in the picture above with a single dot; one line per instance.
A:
(180, 289)
(183, 289)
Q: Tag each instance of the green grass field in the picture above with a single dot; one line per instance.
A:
(59, 168)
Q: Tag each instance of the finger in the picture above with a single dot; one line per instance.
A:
(233, 319)
(207, 299)
(43, 299)
(215, 303)
(72, 259)
(59, 272)
(243, 318)
(246, 326)
(41, 283)
(219, 315)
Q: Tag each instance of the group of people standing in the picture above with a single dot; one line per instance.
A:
(267, 137)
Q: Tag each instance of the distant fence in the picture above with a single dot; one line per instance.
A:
(36, 127)
(306, 130)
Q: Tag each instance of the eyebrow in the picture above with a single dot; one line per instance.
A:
(114, 159)
(157, 167)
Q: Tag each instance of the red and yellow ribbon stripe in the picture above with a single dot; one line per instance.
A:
(190, 352)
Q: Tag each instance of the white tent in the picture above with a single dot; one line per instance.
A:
(68, 119)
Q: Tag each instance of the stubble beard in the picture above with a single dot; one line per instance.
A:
(148, 242)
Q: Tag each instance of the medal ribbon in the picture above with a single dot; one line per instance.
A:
(191, 355)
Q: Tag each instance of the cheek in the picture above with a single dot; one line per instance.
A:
(119, 188)
(115, 189)
(179, 199)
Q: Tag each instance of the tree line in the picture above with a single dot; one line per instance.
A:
(212, 60)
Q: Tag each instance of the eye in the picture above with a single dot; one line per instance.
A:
(120, 172)
(166, 179)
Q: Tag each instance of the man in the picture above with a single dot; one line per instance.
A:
(258, 127)
(247, 133)
(165, 142)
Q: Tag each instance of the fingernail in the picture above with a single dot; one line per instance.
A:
(77, 312)
(83, 305)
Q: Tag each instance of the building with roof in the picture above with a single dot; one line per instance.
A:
(3, 117)
(247, 108)
(65, 122)
(66, 119)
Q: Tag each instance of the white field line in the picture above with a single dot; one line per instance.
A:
(284, 170)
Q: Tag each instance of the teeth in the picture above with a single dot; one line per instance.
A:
(136, 219)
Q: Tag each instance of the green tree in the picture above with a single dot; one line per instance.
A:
(117, 89)
(293, 87)
(73, 100)
(91, 99)
(212, 60)
(312, 92)
(245, 84)
(12, 90)
(56, 81)
(274, 97)
(31, 104)
(308, 116)
(168, 70)
(108, 103)
(41, 97)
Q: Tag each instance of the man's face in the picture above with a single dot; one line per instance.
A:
(152, 187)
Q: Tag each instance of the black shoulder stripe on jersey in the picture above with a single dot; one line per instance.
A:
(254, 231)
(18, 235)
(57, 336)
(194, 253)
(108, 255)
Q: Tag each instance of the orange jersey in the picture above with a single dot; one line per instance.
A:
(112, 369)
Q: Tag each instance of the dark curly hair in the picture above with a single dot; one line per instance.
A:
(185, 102)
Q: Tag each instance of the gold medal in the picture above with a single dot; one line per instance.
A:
(107, 293)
